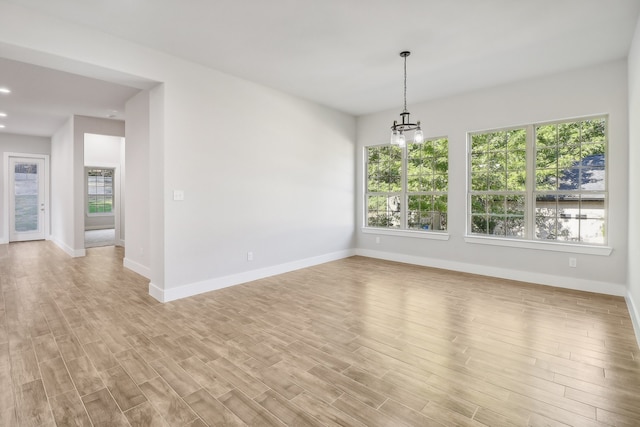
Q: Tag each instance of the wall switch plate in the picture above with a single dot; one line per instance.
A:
(573, 262)
(249, 256)
(377, 239)
(178, 195)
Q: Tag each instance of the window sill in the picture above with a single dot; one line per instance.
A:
(101, 214)
(543, 246)
(433, 235)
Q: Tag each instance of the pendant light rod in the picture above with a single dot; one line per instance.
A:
(404, 54)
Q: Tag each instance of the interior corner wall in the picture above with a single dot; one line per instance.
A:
(137, 152)
(633, 296)
(62, 198)
(81, 126)
(155, 175)
(12, 143)
(600, 89)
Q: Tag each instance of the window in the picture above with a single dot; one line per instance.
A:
(498, 188)
(99, 191)
(407, 186)
(540, 182)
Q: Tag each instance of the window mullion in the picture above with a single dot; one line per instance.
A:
(404, 207)
(530, 183)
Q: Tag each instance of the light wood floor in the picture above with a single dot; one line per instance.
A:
(350, 343)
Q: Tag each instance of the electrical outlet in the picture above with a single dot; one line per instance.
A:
(249, 256)
(573, 262)
(178, 195)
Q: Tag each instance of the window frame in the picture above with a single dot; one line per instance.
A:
(529, 239)
(88, 212)
(404, 195)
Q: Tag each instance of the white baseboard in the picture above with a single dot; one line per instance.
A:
(156, 292)
(68, 249)
(4, 241)
(166, 295)
(99, 227)
(142, 270)
(634, 312)
(504, 273)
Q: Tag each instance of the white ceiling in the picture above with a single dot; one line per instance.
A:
(42, 99)
(344, 53)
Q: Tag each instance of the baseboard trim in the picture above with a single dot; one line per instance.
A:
(99, 227)
(142, 270)
(74, 253)
(635, 316)
(196, 288)
(156, 292)
(523, 276)
(4, 241)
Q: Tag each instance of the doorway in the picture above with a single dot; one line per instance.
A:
(100, 221)
(27, 193)
(103, 177)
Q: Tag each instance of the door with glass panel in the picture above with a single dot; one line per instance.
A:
(26, 199)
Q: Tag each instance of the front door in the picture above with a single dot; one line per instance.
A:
(26, 199)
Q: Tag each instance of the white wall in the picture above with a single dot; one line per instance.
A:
(62, 198)
(103, 151)
(633, 296)
(11, 143)
(595, 90)
(261, 171)
(137, 151)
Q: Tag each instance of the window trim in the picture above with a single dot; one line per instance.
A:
(426, 234)
(553, 246)
(529, 241)
(404, 194)
(113, 198)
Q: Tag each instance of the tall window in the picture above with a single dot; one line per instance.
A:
(498, 190)
(100, 191)
(407, 187)
(540, 182)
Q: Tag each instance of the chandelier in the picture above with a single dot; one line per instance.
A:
(398, 129)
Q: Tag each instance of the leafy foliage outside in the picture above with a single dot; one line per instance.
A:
(100, 190)
(570, 181)
(569, 187)
(498, 182)
(421, 189)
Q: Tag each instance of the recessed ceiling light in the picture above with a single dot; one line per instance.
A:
(3, 114)
(2, 126)
(4, 90)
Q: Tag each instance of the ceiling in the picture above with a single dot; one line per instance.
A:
(344, 53)
(42, 99)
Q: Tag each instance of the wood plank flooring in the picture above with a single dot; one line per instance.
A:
(357, 342)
